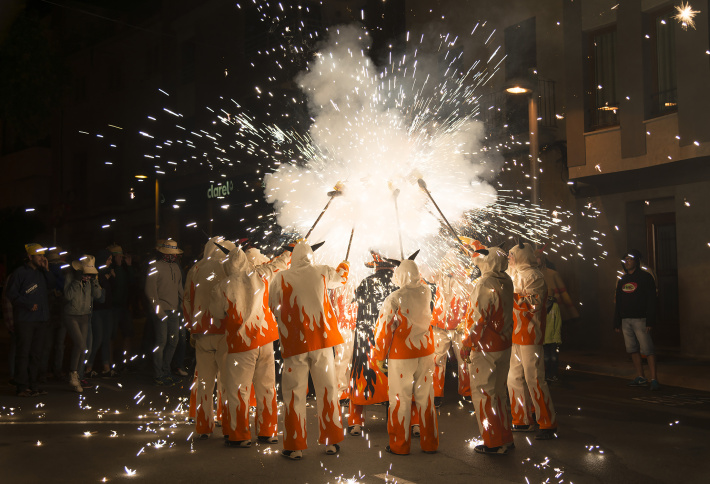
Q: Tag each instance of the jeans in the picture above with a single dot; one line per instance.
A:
(78, 329)
(30, 341)
(166, 340)
(551, 359)
(54, 343)
(178, 360)
(102, 323)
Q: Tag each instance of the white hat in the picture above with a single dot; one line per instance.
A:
(85, 264)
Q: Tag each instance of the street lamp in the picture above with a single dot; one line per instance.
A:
(527, 86)
(157, 203)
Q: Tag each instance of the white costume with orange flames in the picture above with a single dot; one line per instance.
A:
(487, 333)
(308, 330)
(450, 306)
(342, 299)
(207, 333)
(527, 365)
(404, 336)
(242, 299)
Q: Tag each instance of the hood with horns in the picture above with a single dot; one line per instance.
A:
(302, 254)
(523, 256)
(406, 273)
(491, 259)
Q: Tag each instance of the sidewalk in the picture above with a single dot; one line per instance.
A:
(673, 370)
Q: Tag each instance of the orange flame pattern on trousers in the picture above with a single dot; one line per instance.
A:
(496, 433)
(331, 432)
(429, 428)
(520, 409)
(239, 429)
(267, 419)
(400, 441)
(294, 427)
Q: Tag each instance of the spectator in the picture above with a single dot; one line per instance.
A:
(80, 290)
(10, 325)
(164, 290)
(28, 293)
(54, 343)
(122, 286)
(102, 320)
(635, 316)
(557, 297)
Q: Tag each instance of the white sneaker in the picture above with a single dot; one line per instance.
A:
(415, 430)
(355, 430)
(74, 382)
(180, 372)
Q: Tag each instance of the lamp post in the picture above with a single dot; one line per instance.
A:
(157, 203)
(527, 87)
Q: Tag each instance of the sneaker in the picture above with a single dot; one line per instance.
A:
(344, 402)
(415, 431)
(91, 374)
(292, 454)
(509, 446)
(355, 430)
(180, 371)
(203, 436)
(109, 374)
(482, 449)
(546, 434)
(438, 401)
(654, 385)
(244, 444)
(524, 428)
(267, 440)
(639, 381)
(332, 449)
(162, 381)
(85, 384)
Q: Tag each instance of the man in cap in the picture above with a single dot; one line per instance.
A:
(308, 330)
(635, 316)
(164, 290)
(28, 293)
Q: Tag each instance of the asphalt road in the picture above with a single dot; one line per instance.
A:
(128, 430)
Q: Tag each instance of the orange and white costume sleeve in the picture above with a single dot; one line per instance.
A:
(526, 380)
(405, 337)
(308, 330)
(208, 332)
(250, 331)
(487, 331)
(450, 305)
(342, 300)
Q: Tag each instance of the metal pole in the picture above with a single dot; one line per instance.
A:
(399, 228)
(157, 208)
(534, 149)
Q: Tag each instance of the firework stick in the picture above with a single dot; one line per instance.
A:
(422, 185)
(395, 193)
(335, 193)
(350, 243)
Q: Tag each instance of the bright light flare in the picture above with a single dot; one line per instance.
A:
(686, 15)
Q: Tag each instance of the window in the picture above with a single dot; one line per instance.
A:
(603, 100)
(664, 96)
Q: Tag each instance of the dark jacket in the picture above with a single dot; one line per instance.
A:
(28, 287)
(636, 298)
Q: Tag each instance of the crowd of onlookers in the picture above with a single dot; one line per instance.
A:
(75, 319)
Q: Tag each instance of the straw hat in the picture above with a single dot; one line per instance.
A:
(115, 249)
(54, 255)
(34, 249)
(85, 264)
(168, 246)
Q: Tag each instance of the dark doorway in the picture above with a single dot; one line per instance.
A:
(662, 259)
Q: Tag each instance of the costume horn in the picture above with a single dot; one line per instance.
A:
(317, 246)
(413, 256)
(482, 251)
(224, 249)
